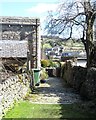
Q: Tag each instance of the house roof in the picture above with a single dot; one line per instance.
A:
(10, 48)
(19, 20)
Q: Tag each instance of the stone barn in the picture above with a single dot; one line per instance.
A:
(20, 42)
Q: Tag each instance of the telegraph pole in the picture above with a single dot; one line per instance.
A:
(36, 42)
(30, 60)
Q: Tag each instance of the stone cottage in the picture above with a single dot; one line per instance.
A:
(19, 44)
(20, 40)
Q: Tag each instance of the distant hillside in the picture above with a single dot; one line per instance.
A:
(51, 37)
(51, 41)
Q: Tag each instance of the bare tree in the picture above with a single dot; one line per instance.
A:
(73, 16)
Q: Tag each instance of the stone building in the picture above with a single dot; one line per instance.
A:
(20, 40)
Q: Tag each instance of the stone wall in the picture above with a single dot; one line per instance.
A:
(16, 32)
(88, 89)
(12, 89)
(83, 80)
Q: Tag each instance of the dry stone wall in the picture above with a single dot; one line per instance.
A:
(12, 89)
(88, 89)
(83, 80)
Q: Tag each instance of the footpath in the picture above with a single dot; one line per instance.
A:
(55, 91)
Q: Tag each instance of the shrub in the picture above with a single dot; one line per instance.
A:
(45, 63)
(43, 74)
(50, 63)
(57, 64)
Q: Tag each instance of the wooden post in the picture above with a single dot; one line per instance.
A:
(30, 61)
(41, 48)
(36, 42)
(30, 45)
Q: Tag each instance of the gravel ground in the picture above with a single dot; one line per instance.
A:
(55, 91)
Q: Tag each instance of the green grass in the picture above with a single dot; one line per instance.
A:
(26, 109)
(47, 45)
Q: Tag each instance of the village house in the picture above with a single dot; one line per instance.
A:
(20, 39)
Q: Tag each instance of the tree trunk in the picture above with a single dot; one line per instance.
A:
(89, 33)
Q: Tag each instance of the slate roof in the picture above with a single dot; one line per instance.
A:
(19, 20)
(10, 48)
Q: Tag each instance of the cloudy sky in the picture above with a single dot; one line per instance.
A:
(30, 8)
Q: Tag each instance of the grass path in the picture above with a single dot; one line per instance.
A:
(25, 109)
(53, 100)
